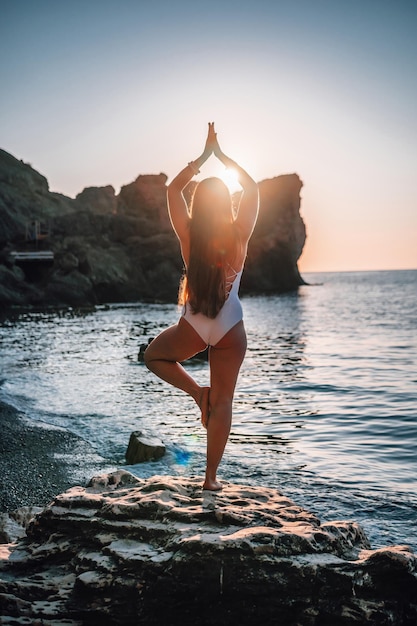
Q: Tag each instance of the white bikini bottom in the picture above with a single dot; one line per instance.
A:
(211, 330)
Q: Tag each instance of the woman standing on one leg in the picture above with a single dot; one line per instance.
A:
(213, 245)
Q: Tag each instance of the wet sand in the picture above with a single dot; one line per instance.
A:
(38, 461)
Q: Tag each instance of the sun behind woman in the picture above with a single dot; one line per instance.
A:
(230, 177)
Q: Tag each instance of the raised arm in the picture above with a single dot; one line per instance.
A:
(249, 202)
(177, 206)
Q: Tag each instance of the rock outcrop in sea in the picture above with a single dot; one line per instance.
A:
(161, 551)
(110, 247)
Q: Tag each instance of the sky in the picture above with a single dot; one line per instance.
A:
(96, 92)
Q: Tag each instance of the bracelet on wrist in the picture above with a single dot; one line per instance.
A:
(193, 168)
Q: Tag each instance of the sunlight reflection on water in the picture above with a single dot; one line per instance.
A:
(327, 391)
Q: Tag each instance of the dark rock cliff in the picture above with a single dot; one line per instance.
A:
(118, 248)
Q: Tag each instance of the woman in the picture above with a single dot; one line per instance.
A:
(213, 246)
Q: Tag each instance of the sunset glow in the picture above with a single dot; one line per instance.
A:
(229, 177)
(327, 91)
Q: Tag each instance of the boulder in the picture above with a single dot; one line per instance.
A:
(278, 239)
(66, 261)
(25, 196)
(71, 288)
(143, 448)
(13, 524)
(14, 289)
(161, 551)
(98, 199)
(146, 196)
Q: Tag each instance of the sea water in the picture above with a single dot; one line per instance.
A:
(325, 408)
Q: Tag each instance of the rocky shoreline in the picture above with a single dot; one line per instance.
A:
(123, 550)
(161, 551)
(105, 247)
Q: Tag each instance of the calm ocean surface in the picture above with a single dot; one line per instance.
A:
(325, 409)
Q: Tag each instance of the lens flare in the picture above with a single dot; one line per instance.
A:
(182, 457)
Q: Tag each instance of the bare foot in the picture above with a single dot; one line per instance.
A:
(212, 485)
(204, 405)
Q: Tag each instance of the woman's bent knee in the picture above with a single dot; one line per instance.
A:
(148, 356)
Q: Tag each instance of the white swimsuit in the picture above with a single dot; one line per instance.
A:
(211, 330)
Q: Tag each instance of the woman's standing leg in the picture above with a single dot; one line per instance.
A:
(225, 360)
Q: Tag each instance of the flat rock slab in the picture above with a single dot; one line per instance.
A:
(161, 551)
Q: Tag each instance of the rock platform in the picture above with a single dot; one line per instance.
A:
(161, 551)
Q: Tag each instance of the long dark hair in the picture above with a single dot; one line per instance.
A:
(214, 246)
